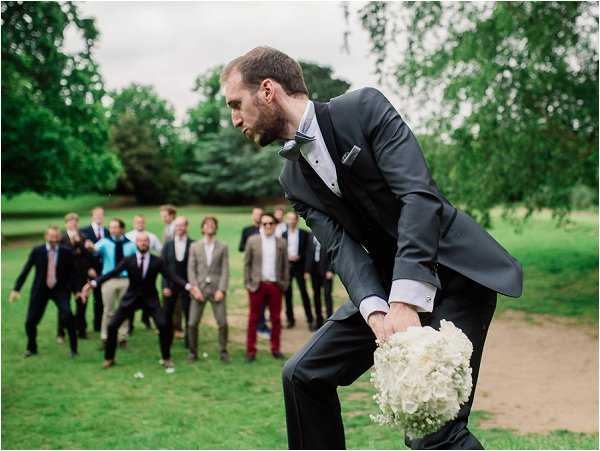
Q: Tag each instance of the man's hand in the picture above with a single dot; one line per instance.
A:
(400, 317)
(219, 295)
(377, 325)
(85, 291)
(197, 294)
(167, 292)
(89, 245)
(306, 274)
(92, 272)
(295, 258)
(14, 296)
(329, 275)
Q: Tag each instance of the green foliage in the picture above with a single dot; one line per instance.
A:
(321, 84)
(150, 174)
(155, 154)
(227, 168)
(54, 129)
(512, 88)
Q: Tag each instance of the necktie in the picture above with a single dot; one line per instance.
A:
(291, 148)
(141, 267)
(51, 272)
(118, 251)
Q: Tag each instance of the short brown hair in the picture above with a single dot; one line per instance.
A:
(266, 62)
(210, 218)
(119, 221)
(71, 217)
(169, 209)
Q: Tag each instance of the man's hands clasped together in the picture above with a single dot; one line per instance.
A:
(400, 317)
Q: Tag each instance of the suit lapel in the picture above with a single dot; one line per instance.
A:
(350, 186)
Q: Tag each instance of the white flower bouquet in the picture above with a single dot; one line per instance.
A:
(422, 376)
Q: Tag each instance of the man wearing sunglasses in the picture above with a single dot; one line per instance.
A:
(266, 276)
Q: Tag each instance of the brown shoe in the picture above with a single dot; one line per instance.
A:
(123, 344)
(191, 358)
(60, 340)
(108, 363)
(168, 363)
(179, 334)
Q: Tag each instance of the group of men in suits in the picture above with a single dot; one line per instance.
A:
(122, 273)
(291, 254)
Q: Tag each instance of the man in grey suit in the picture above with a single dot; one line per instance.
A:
(407, 257)
(208, 269)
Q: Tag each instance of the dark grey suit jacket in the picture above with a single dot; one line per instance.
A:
(392, 221)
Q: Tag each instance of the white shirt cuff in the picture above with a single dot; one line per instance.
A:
(413, 292)
(188, 286)
(93, 283)
(372, 304)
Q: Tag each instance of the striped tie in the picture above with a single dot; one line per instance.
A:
(51, 273)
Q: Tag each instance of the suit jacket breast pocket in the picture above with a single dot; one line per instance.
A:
(349, 157)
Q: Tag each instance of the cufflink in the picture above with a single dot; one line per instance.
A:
(428, 298)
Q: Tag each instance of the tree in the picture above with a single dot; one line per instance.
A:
(141, 106)
(227, 168)
(150, 174)
(512, 90)
(321, 84)
(54, 128)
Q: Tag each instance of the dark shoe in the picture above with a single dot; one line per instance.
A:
(290, 324)
(278, 355)
(224, 356)
(123, 344)
(60, 340)
(250, 358)
(191, 358)
(311, 326)
(147, 325)
(83, 336)
(108, 363)
(29, 353)
(74, 354)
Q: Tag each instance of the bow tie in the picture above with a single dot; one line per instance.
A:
(291, 148)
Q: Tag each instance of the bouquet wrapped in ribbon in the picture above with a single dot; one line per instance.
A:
(422, 376)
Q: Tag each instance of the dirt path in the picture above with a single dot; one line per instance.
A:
(536, 376)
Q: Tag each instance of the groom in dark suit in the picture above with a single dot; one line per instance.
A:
(407, 257)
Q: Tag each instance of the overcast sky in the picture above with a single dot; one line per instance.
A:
(167, 44)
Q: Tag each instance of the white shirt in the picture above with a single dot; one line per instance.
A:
(208, 249)
(154, 241)
(146, 262)
(72, 233)
(317, 256)
(280, 228)
(180, 244)
(414, 292)
(293, 239)
(98, 229)
(316, 153)
(269, 249)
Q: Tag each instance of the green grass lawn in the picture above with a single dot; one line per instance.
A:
(51, 401)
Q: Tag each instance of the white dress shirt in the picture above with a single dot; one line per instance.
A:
(269, 249)
(154, 241)
(280, 228)
(209, 247)
(317, 255)
(98, 230)
(146, 262)
(180, 245)
(72, 233)
(293, 241)
(414, 292)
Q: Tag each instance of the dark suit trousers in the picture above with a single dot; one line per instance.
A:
(123, 313)
(297, 273)
(98, 309)
(341, 351)
(35, 312)
(80, 321)
(321, 283)
(182, 298)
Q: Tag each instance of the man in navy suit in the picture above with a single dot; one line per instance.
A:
(95, 232)
(54, 279)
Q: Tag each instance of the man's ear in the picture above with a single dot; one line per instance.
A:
(267, 88)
